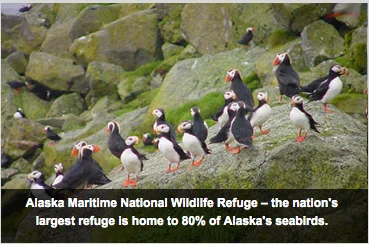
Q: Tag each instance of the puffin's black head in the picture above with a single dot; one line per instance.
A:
(35, 175)
(113, 127)
(194, 111)
(132, 140)
(185, 125)
(87, 150)
(282, 58)
(232, 74)
(59, 168)
(162, 129)
(158, 113)
(339, 70)
(77, 147)
(296, 101)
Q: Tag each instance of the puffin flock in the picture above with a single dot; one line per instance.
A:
(237, 119)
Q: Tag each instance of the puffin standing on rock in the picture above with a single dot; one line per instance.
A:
(170, 149)
(19, 114)
(302, 119)
(147, 140)
(221, 115)
(327, 89)
(240, 89)
(16, 85)
(160, 115)
(116, 142)
(288, 79)
(200, 128)
(192, 143)
(245, 40)
(51, 135)
(261, 113)
(59, 168)
(38, 187)
(132, 160)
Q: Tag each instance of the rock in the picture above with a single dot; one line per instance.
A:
(129, 8)
(18, 62)
(171, 50)
(169, 15)
(297, 55)
(120, 42)
(156, 81)
(39, 162)
(72, 122)
(25, 136)
(43, 14)
(18, 182)
(17, 34)
(352, 104)
(107, 104)
(208, 27)
(358, 49)
(6, 174)
(335, 159)
(129, 88)
(56, 73)
(33, 107)
(5, 160)
(102, 79)
(321, 41)
(54, 122)
(92, 18)
(69, 103)
(189, 52)
(296, 16)
(21, 165)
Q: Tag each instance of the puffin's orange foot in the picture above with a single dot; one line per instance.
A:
(253, 137)
(227, 147)
(300, 138)
(246, 47)
(264, 132)
(197, 164)
(126, 183)
(328, 110)
(133, 183)
(235, 150)
(120, 169)
(175, 169)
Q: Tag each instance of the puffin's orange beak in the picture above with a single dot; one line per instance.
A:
(253, 28)
(179, 129)
(107, 129)
(74, 152)
(292, 103)
(227, 78)
(276, 61)
(96, 148)
(344, 71)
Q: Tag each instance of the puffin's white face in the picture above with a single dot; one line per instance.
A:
(111, 126)
(262, 96)
(77, 147)
(296, 100)
(250, 29)
(34, 175)
(338, 69)
(59, 168)
(279, 58)
(185, 125)
(231, 73)
(157, 113)
(234, 106)
(20, 109)
(162, 128)
(46, 128)
(132, 140)
(88, 150)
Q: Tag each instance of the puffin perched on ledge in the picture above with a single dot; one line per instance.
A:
(221, 116)
(116, 142)
(261, 113)
(19, 114)
(17, 85)
(160, 119)
(51, 135)
(245, 40)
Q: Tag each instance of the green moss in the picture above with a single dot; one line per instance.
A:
(143, 70)
(252, 81)
(359, 54)
(280, 37)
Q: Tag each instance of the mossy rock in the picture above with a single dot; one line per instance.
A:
(69, 103)
(34, 107)
(106, 103)
(18, 181)
(18, 62)
(22, 165)
(170, 50)
(353, 104)
(72, 122)
(169, 15)
(129, 8)
(280, 37)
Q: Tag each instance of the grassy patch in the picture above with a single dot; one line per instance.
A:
(280, 37)
(143, 70)
(252, 81)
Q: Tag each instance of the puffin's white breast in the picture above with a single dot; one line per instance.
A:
(167, 149)
(191, 143)
(335, 88)
(130, 161)
(260, 115)
(299, 119)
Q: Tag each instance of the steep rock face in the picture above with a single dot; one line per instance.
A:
(130, 42)
(335, 158)
(56, 73)
(321, 41)
(169, 16)
(208, 27)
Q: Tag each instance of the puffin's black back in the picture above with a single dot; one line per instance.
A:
(116, 142)
(241, 128)
(288, 80)
(222, 135)
(246, 38)
(242, 92)
(199, 128)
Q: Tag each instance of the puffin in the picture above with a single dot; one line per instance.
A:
(199, 126)
(59, 168)
(302, 119)
(224, 133)
(160, 119)
(97, 176)
(51, 135)
(169, 148)
(39, 188)
(288, 79)
(192, 143)
(80, 172)
(261, 113)
(132, 160)
(147, 140)
(221, 115)
(26, 8)
(156, 143)
(245, 40)
(241, 129)
(329, 88)
(116, 142)
(240, 89)
(19, 114)
(16, 85)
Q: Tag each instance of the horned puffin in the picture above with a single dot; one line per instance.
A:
(170, 149)
(132, 160)
(38, 187)
(241, 129)
(288, 79)
(192, 143)
(224, 133)
(329, 88)
(245, 40)
(221, 115)
(160, 119)
(199, 126)
(116, 142)
(59, 168)
(19, 114)
(78, 175)
(16, 85)
(240, 89)
(302, 119)
(51, 135)
(261, 113)
(147, 140)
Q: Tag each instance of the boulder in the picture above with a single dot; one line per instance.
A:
(17, 34)
(18, 181)
(38, 162)
(102, 79)
(169, 15)
(208, 27)
(72, 122)
(121, 43)
(296, 16)
(358, 49)
(170, 50)
(33, 107)
(25, 136)
(21, 165)
(130, 88)
(56, 73)
(321, 41)
(352, 104)
(106, 103)
(69, 103)
(18, 62)
(6, 174)
(43, 14)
